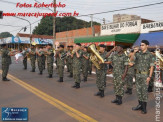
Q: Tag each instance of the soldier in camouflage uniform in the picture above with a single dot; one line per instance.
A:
(61, 62)
(101, 73)
(25, 54)
(50, 60)
(44, 58)
(33, 58)
(6, 61)
(70, 61)
(129, 77)
(85, 61)
(67, 64)
(77, 56)
(90, 67)
(119, 62)
(144, 61)
(40, 55)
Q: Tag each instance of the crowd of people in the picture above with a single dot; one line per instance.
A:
(138, 64)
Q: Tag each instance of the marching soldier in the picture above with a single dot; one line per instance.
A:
(129, 77)
(61, 62)
(77, 55)
(67, 64)
(25, 55)
(70, 61)
(90, 67)
(50, 58)
(44, 58)
(85, 60)
(6, 61)
(33, 58)
(40, 55)
(101, 73)
(119, 62)
(144, 61)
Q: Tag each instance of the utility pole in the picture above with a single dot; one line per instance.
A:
(54, 25)
(93, 31)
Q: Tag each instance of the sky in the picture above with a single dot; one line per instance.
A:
(83, 7)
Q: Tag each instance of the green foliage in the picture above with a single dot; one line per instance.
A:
(45, 27)
(5, 34)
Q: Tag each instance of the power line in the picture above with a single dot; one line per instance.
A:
(10, 25)
(122, 9)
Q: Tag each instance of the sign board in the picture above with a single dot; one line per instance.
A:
(121, 28)
(151, 27)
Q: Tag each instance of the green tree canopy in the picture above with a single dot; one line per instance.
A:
(45, 27)
(5, 34)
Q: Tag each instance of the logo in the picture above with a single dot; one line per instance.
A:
(14, 114)
(16, 39)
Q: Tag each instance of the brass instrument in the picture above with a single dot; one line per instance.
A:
(95, 56)
(161, 59)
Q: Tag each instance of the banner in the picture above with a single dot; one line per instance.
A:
(121, 28)
(151, 27)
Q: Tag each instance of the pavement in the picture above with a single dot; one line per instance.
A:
(51, 101)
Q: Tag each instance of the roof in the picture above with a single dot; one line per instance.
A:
(154, 38)
(35, 36)
(125, 38)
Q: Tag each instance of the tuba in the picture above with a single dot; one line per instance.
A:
(95, 56)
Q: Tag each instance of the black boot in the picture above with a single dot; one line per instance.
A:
(5, 79)
(127, 91)
(33, 70)
(71, 75)
(150, 89)
(50, 76)
(40, 73)
(78, 85)
(144, 110)
(119, 102)
(98, 93)
(74, 86)
(102, 93)
(85, 79)
(61, 79)
(138, 107)
(115, 100)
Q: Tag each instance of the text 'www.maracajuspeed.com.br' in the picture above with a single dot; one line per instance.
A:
(37, 14)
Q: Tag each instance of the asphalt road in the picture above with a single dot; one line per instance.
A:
(51, 101)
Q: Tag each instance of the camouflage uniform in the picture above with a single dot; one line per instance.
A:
(40, 61)
(43, 60)
(33, 59)
(70, 60)
(61, 64)
(143, 63)
(67, 64)
(85, 65)
(25, 59)
(90, 66)
(50, 59)
(101, 74)
(119, 61)
(6, 61)
(77, 66)
(129, 77)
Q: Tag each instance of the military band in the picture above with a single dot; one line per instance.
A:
(137, 63)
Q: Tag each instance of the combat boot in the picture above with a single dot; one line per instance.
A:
(50, 76)
(78, 86)
(71, 75)
(127, 91)
(144, 110)
(61, 79)
(119, 102)
(98, 93)
(150, 89)
(138, 107)
(102, 93)
(85, 79)
(5, 79)
(74, 86)
(40, 73)
(116, 100)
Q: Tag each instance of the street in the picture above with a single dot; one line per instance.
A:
(51, 101)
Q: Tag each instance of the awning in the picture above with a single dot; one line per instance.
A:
(154, 38)
(125, 38)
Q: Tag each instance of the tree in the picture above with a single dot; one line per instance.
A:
(5, 34)
(45, 27)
